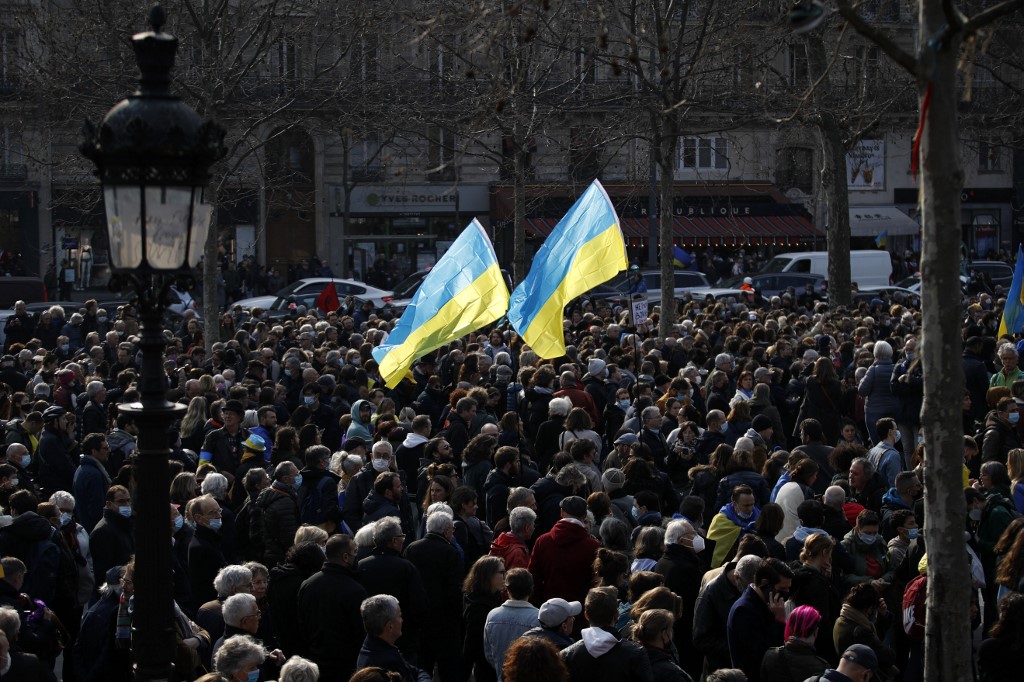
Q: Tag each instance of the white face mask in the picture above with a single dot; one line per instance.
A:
(381, 465)
(698, 544)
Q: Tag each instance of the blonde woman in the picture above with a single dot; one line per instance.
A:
(192, 424)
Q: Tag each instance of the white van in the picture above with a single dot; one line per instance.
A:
(868, 268)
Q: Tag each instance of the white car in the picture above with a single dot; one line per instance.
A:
(305, 291)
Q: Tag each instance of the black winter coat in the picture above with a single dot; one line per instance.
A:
(625, 662)
(385, 572)
(279, 519)
(111, 544)
(441, 571)
(329, 621)
(683, 570)
(205, 559)
(283, 595)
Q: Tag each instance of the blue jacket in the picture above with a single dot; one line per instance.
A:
(90, 489)
(888, 461)
(504, 625)
(751, 631)
(876, 390)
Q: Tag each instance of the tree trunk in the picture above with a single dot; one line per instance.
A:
(947, 636)
(833, 178)
(211, 275)
(518, 215)
(667, 141)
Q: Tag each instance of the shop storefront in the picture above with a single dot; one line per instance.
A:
(986, 217)
(395, 231)
(706, 215)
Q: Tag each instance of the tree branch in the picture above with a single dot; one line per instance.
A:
(887, 45)
(986, 17)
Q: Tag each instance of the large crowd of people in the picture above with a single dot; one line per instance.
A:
(739, 500)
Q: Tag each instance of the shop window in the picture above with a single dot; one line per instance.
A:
(705, 153)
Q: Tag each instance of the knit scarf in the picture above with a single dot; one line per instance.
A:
(123, 626)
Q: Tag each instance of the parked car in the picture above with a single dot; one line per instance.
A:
(407, 288)
(727, 294)
(28, 289)
(615, 292)
(913, 283)
(770, 284)
(1000, 272)
(888, 295)
(305, 291)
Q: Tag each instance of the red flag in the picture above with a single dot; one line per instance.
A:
(328, 301)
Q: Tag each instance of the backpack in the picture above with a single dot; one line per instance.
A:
(311, 502)
(914, 607)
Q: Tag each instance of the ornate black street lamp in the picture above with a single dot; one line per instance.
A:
(152, 154)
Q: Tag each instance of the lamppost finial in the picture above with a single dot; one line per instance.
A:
(157, 18)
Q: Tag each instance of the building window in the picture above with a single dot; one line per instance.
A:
(989, 153)
(705, 153)
(12, 156)
(9, 50)
(440, 154)
(796, 57)
(285, 60)
(584, 154)
(586, 70)
(794, 169)
(366, 58)
(364, 159)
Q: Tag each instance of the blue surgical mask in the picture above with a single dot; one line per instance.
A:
(635, 512)
(624, 404)
(308, 399)
(215, 524)
(868, 538)
(298, 480)
(744, 517)
(14, 481)
(899, 436)
(125, 512)
(1014, 417)
(682, 396)
(253, 676)
(287, 372)
(179, 521)
(913, 533)
(65, 518)
(725, 426)
(25, 461)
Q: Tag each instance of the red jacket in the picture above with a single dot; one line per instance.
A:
(581, 398)
(513, 550)
(562, 563)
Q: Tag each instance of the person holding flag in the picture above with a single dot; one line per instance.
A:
(585, 249)
(463, 292)
(1013, 312)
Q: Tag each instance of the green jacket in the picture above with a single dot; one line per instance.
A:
(859, 553)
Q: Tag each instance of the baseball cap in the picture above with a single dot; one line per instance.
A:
(862, 655)
(627, 439)
(555, 611)
(574, 506)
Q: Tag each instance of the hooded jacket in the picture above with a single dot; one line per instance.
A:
(562, 562)
(377, 506)
(512, 550)
(30, 538)
(600, 656)
(358, 428)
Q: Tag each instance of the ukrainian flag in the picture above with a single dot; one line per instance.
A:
(1013, 313)
(463, 292)
(585, 249)
(882, 240)
(681, 258)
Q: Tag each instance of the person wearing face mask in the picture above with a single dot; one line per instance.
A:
(731, 523)
(328, 611)
(239, 659)
(682, 566)
(868, 561)
(712, 437)
(887, 459)
(278, 513)
(1000, 431)
(359, 487)
(863, 622)
(19, 457)
(91, 479)
(205, 557)
(757, 618)
(322, 415)
(111, 541)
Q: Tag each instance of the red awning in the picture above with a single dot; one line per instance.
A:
(735, 230)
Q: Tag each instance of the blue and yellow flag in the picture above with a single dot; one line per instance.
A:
(681, 258)
(585, 249)
(1013, 313)
(463, 292)
(882, 240)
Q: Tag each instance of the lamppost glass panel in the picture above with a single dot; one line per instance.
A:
(124, 225)
(168, 213)
(202, 215)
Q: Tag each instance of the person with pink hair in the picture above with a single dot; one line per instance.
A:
(796, 660)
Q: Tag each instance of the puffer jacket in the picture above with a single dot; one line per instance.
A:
(876, 390)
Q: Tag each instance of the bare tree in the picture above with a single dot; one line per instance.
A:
(258, 68)
(944, 30)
